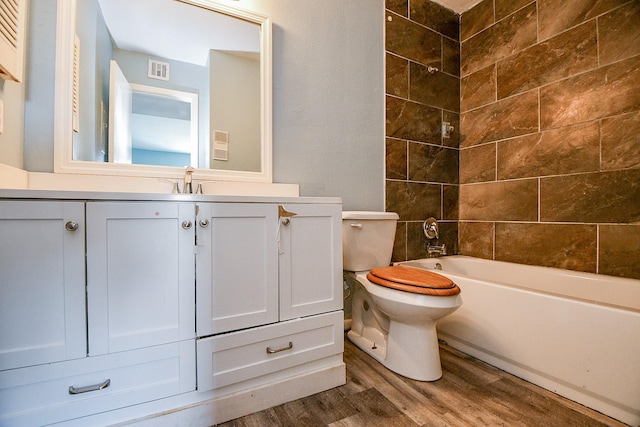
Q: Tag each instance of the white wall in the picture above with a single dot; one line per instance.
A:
(328, 96)
(235, 108)
(329, 113)
(12, 94)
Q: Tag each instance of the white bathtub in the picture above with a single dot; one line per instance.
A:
(576, 334)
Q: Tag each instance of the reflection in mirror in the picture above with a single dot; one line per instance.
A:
(164, 127)
(210, 60)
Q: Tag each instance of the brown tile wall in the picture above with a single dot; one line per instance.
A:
(543, 167)
(421, 166)
(550, 134)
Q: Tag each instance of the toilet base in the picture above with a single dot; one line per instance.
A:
(420, 362)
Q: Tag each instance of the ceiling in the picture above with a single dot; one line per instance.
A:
(458, 6)
(174, 30)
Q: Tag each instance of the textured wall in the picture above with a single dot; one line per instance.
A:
(550, 134)
(421, 165)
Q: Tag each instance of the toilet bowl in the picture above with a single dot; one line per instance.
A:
(394, 309)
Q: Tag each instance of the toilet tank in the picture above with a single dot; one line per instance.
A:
(367, 239)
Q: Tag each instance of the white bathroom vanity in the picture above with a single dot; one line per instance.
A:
(157, 309)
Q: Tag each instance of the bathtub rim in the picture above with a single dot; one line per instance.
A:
(619, 292)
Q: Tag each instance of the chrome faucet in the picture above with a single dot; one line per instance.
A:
(431, 231)
(187, 187)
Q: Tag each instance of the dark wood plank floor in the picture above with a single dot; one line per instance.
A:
(470, 393)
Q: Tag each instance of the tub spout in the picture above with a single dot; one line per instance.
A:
(436, 250)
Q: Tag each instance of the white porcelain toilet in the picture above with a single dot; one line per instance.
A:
(394, 308)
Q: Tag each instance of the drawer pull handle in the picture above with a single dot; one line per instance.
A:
(95, 387)
(278, 350)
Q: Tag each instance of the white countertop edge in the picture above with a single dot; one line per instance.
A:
(11, 194)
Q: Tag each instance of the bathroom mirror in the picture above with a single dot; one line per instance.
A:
(209, 86)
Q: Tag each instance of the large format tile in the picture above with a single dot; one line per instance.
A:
(434, 88)
(476, 239)
(435, 16)
(514, 116)
(619, 33)
(478, 164)
(396, 159)
(556, 16)
(413, 41)
(413, 121)
(606, 91)
(478, 89)
(620, 141)
(507, 7)
(476, 19)
(500, 201)
(400, 7)
(450, 197)
(568, 246)
(618, 250)
(603, 197)
(450, 56)
(397, 76)
(569, 53)
(413, 201)
(433, 163)
(509, 36)
(561, 151)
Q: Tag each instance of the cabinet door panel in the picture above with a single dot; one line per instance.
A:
(42, 283)
(140, 275)
(237, 275)
(311, 261)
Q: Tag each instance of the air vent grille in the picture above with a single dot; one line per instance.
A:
(76, 84)
(9, 22)
(12, 23)
(158, 70)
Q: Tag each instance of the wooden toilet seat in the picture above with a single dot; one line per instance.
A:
(414, 280)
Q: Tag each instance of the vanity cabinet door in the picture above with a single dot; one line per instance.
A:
(140, 274)
(237, 266)
(310, 261)
(42, 303)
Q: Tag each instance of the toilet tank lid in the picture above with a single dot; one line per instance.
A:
(364, 215)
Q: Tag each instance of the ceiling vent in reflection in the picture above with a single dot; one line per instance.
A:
(158, 70)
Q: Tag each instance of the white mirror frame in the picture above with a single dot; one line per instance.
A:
(63, 114)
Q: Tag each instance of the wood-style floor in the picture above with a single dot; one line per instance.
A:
(470, 393)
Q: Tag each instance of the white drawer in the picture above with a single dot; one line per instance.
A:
(41, 395)
(239, 356)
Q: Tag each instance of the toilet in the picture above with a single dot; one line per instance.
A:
(394, 308)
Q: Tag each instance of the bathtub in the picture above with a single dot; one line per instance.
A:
(576, 334)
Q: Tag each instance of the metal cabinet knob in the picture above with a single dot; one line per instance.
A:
(204, 223)
(71, 226)
(286, 222)
(186, 224)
